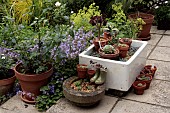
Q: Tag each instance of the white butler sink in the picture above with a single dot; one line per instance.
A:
(120, 75)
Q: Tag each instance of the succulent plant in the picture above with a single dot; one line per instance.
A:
(108, 49)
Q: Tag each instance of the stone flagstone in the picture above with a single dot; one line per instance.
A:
(163, 69)
(126, 106)
(167, 32)
(154, 39)
(157, 94)
(160, 53)
(165, 41)
(17, 106)
(64, 106)
(155, 30)
(149, 48)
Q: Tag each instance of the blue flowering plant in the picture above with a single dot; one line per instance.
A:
(7, 61)
(38, 50)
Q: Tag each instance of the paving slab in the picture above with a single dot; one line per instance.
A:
(154, 39)
(160, 53)
(163, 69)
(154, 30)
(157, 94)
(165, 41)
(17, 106)
(167, 32)
(149, 48)
(126, 106)
(64, 106)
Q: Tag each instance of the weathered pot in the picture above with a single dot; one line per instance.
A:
(152, 69)
(123, 51)
(82, 98)
(139, 90)
(6, 85)
(148, 82)
(123, 41)
(32, 83)
(91, 72)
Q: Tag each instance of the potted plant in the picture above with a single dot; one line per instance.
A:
(151, 68)
(139, 87)
(162, 15)
(98, 21)
(83, 92)
(82, 70)
(146, 78)
(36, 55)
(127, 41)
(7, 74)
(109, 52)
(123, 48)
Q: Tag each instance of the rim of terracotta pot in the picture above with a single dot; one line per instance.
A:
(96, 39)
(81, 69)
(31, 77)
(145, 75)
(149, 67)
(148, 20)
(7, 81)
(109, 56)
(67, 87)
(122, 48)
(121, 40)
(139, 87)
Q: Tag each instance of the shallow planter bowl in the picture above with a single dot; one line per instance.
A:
(82, 98)
(120, 75)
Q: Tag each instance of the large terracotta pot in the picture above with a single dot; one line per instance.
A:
(148, 19)
(32, 83)
(6, 85)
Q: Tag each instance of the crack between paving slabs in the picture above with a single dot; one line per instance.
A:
(114, 104)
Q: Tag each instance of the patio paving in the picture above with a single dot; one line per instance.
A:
(156, 99)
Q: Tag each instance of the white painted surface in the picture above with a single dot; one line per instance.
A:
(120, 75)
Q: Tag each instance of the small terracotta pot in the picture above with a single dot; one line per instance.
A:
(103, 42)
(82, 70)
(109, 56)
(123, 51)
(139, 90)
(147, 71)
(149, 67)
(32, 82)
(123, 41)
(108, 36)
(146, 81)
(6, 85)
(91, 72)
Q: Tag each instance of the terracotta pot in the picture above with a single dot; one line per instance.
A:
(148, 19)
(109, 56)
(108, 36)
(123, 51)
(32, 83)
(81, 70)
(6, 85)
(91, 72)
(139, 90)
(103, 42)
(149, 67)
(146, 81)
(123, 41)
(147, 71)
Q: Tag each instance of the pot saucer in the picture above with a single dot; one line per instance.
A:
(26, 101)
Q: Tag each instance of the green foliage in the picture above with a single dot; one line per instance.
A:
(162, 13)
(82, 18)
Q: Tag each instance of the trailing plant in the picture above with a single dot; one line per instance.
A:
(82, 18)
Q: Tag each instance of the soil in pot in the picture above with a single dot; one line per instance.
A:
(146, 78)
(81, 70)
(32, 83)
(6, 83)
(139, 87)
(103, 42)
